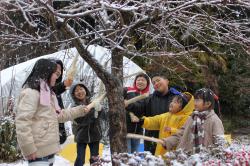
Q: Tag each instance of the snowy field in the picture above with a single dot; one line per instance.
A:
(235, 154)
(60, 161)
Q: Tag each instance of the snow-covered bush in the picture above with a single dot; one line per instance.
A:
(135, 159)
(8, 142)
(220, 154)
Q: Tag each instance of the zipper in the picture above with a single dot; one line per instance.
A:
(99, 130)
(88, 133)
(135, 128)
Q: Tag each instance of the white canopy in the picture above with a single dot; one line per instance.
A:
(12, 78)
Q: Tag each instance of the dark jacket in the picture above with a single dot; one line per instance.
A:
(129, 93)
(58, 89)
(155, 104)
(86, 129)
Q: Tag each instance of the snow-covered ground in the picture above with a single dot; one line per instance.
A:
(235, 154)
(59, 161)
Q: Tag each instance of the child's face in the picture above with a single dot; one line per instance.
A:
(200, 105)
(160, 84)
(79, 93)
(141, 83)
(55, 76)
(175, 106)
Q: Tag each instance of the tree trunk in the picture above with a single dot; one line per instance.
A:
(114, 88)
(117, 121)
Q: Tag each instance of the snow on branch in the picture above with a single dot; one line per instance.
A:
(161, 25)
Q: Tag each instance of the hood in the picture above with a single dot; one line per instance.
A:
(188, 109)
(59, 62)
(136, 89)
(72, 89)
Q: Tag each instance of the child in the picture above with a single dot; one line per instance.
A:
(180, 108)
(200, 128)
(86, 129)
(38, 115)
(141, 86)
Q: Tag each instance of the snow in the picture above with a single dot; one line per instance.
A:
(59, 161)
(238, 154)
(221, 154)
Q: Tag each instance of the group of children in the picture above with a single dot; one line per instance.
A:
(180, 120)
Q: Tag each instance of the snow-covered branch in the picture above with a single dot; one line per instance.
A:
(160, 24)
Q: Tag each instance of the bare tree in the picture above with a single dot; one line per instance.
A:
(128, 28)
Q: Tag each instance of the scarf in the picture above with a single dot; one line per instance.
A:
(45, 96)
(197, 129)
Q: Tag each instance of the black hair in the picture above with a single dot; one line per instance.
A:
(207, 95)
(182, 99)
(88, 95)
(42, 70)
(144, 76)
(59, 62)
(158, 74)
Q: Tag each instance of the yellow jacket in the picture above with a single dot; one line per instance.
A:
(174, 121)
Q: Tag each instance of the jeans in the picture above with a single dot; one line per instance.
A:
(43, 161)
(133, 145)
(81, 148)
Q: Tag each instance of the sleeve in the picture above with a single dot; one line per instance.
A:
(125, 90)
(218, 128)
(152, 123)
(180, 124)
(141, 107)
(26, 110)
(172, 141)
(173, 130)
(59, 88)
(71, 113)
(87, 119)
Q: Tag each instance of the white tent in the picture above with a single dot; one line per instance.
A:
(12, 78)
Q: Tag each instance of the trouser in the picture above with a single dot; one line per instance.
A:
(133, 145)
(148, 145)
(81, 148)
(43, 161)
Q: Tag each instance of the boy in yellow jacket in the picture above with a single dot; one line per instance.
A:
(180, 108)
